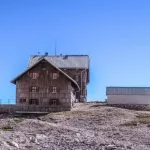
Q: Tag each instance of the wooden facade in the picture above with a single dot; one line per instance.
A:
(81, 77)
(44, 84)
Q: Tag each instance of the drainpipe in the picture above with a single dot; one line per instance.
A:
(81, 83)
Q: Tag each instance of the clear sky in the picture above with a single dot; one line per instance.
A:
(114, 33)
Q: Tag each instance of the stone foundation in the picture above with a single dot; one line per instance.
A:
(13, 108)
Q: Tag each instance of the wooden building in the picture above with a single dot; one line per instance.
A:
(53, 80)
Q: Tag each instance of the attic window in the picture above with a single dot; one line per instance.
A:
(55, 75)
(34, 75)
(43, 65)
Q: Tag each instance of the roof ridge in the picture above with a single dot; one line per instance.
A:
(43, 58)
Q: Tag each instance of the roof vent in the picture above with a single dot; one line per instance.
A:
(34, 56)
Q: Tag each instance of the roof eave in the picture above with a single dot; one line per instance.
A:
(42, 58)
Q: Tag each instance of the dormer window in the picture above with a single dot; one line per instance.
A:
(34, 75)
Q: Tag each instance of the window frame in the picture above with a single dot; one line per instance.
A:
(34, 75)
(54, 102)
(22, 100)
(54, 89)
(33, 101)
(55, 75)
(34, 89)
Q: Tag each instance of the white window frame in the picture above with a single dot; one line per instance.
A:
(55, 75)
(34, 75)
(34, 89)
(54, 89)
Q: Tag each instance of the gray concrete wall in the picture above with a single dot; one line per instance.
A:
(128, 99)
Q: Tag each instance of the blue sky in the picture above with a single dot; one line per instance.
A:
(115, 34)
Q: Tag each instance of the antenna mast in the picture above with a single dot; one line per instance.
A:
(55, 48)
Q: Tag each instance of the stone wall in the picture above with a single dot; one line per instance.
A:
(13, 108)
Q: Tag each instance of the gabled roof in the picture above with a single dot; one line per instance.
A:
(66, 61)
(41, 59)
(128, 91)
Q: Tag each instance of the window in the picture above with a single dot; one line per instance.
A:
(34, 75)
(55, 75)
(54, 89)
(77, 78)
(22, 100)
(53, 102)
(33, 102)
(34, 89)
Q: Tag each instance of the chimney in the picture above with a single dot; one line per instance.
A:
(46, 53)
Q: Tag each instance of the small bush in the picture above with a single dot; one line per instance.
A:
(144, 115)
(7, 128)
(18, 120)
(138, 121)
(71, 113)
(131, 123)
(144, 121)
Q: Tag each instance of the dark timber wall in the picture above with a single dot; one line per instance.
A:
(81, 77)
(44, 83)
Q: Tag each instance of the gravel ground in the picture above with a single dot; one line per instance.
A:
(88, 126)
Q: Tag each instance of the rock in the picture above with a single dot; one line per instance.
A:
(77, 139)
(41, 136)
(129, 147)
(5, 145)
(12, 143)
(110, 147)
(78, 134)
(32, 139)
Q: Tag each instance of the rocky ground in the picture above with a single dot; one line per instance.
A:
(90, 126)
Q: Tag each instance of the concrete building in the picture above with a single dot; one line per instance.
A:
(128, 95)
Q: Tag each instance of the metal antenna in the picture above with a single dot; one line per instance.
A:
(55, 48)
